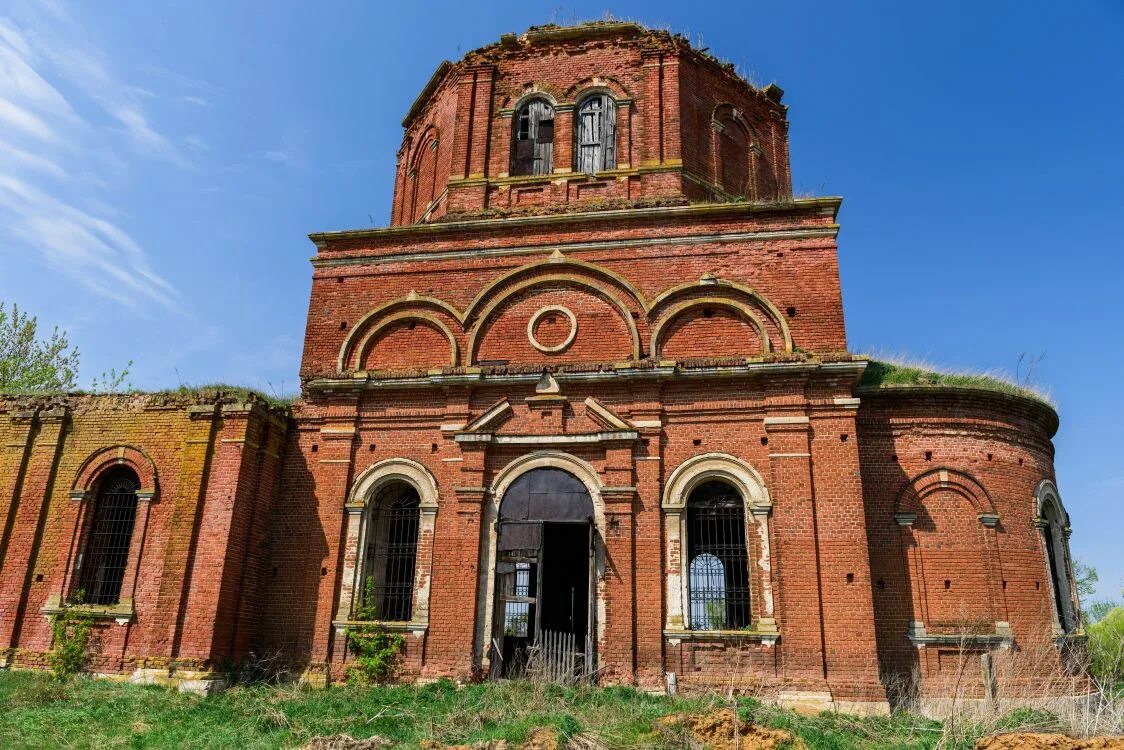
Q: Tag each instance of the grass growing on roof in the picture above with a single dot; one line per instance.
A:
(883, 372)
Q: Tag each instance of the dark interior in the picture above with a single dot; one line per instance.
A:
(564, 598)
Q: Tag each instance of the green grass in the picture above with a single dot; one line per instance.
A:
(882, 373)
(36, 712)
(206, 393)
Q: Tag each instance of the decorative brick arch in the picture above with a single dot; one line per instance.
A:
(371, 479)
(402, 317)
(412, 305)
(745, 312)
(363, 489)
(909, 506)
(534, 91)
(598, 85)
(682, 481)
(912, 496)
(711, 287)
(614, 289)
(555, 263)
(728, 112)
(585, 473)
(107, 458)
(423, 190)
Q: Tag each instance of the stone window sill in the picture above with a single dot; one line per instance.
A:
(122, 612)
(767, 638)
(417, 628)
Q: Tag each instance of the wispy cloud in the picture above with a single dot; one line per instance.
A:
(282, 157)
(64, 157)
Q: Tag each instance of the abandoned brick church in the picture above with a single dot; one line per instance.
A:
(588, 399)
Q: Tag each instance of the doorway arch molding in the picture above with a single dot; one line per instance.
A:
(585, 473)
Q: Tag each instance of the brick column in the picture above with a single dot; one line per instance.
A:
(459, 531)
(27, 517)
(175, 577)
(14, 456)
(624, 133)
(616, 651)
(795, 555)
(564, 139)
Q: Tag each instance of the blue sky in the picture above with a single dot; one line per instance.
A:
(162, 162)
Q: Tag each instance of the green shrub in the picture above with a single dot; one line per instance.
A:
(70, 635)
(1106, 649)
(376, 651)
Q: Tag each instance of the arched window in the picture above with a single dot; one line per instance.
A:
(1054, 522)
(596, 134)
(532, 150)
(102, 567)
(392, 553)
(718, 558)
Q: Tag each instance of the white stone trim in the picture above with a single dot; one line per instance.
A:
(588, 476)
(546, 309)
(682, 481)
(365, 486)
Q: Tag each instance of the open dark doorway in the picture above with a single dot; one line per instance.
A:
(565, 579)
(544, 581)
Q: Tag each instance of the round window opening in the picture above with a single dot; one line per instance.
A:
(552, 329)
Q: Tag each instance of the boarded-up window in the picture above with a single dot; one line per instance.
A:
(596, 134)
(533, 142)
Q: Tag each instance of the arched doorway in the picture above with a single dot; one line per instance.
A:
(545, 558)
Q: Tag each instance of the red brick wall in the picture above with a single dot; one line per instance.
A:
(793, 266)
(999, 574)
(668, 92)
(196, 548)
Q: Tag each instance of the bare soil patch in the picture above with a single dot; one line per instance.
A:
(721, 730)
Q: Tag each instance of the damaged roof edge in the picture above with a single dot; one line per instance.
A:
(426, 92)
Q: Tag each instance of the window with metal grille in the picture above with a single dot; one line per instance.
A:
(718, 559)
(596, 134)
(107, 543)
(533, 142)
(392, 553)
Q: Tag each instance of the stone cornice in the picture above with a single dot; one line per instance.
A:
(1030, 407)
(473, 376)
(827, 206)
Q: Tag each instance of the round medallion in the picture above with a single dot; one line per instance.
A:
(547, 330)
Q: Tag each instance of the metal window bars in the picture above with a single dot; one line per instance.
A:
(107, 544)
(718, 559)
(392, 552)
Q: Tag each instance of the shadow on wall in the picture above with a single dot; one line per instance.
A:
(298, 549)
(883, 480)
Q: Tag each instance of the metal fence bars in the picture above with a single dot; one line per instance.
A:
(111, 531)
(392, 551)
(718, 568)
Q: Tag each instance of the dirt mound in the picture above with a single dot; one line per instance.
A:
(540, 739)
(1027, 741)
(716, 730)
(345, 742)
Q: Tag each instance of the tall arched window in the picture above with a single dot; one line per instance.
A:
(110, 533)
(717, 558)
(1053, 521)
(392, 553)
(596, 134)
(532, 150)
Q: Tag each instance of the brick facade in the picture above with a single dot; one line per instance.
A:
(672, 320)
